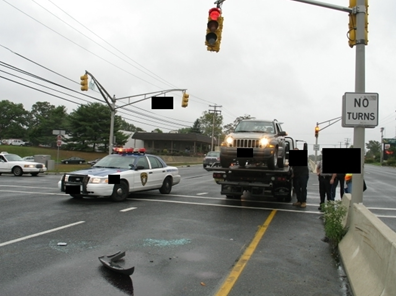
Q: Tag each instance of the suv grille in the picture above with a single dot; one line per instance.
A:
(246, 143)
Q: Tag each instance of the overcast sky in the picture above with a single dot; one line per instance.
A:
(278, 59)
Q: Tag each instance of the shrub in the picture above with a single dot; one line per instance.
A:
(391, 162)
(369, 160)
(334, 212)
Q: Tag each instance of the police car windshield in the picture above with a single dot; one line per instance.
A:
(116, 161)
(13, 157)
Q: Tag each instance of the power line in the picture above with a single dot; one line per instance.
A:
(75, 43)
(164, 81)
(158, 78)
(38, 77)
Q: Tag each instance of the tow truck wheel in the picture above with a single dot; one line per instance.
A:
(272, 161)
(17, 171)
(225, 163)
(120, 192)
(288, 198)
(167, 186)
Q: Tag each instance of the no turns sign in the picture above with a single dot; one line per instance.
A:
(360, 109)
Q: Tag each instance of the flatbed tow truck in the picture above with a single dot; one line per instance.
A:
(259, 181)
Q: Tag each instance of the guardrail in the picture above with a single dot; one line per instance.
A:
(368, 252)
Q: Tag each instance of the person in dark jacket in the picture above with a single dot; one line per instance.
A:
(300, 176)
(341, 179)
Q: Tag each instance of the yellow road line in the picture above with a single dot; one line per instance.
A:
(239, 266)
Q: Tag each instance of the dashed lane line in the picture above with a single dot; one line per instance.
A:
(41, 233)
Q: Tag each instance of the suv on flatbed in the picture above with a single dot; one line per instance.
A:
(265, 137)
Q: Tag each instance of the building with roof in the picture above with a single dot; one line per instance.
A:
(159, 143)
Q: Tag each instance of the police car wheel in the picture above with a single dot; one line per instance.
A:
(120, 192)
(167, 186)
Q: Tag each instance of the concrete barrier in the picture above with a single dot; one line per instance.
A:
(368, 253)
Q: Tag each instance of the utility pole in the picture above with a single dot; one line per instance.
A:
(347, 142)
(214, 113)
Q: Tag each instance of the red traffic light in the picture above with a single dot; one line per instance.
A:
(214, 13)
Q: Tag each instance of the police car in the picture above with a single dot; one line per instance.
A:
(14, 164)
(119, 174)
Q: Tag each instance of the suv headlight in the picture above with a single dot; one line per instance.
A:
(264, 142)
(229, 140)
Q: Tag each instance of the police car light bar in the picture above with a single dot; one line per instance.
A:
(121, 150)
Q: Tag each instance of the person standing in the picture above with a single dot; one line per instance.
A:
(325, 181)
(300, 176)
(341, 179)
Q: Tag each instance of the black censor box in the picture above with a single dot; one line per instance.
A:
(162, 102)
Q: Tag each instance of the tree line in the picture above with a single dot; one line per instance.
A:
(87, 127)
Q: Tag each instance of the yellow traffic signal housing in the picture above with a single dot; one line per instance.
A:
(353, 24)
(185, 100)
(84, 82)
(214, 30)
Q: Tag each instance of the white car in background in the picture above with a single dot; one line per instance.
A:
(17, 143)
(14, 164)
(28, 158)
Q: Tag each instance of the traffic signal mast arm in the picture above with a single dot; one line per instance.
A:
(317, 128)
(353, 10)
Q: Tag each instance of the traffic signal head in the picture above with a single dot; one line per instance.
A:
(185, 100)
(316, 130)
(84, 82)
(214, 30)
(353, 24)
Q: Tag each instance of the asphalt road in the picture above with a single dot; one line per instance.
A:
(191, 242)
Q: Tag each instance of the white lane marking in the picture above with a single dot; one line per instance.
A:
(128, 209)
(201, 193)
(227, 206)
(385, 216)
(27, 186)
(37, 193)
(381, 208)
(41, 233)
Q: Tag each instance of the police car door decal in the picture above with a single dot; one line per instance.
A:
(144, 177)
